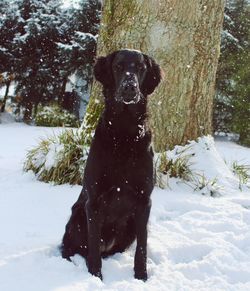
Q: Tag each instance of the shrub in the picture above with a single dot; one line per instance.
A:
(205, 186)
(176, 166)
(53, 115)
(59, 159)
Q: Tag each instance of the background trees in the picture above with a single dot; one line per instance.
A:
(9, 25)
(43, 44)
(232, 103)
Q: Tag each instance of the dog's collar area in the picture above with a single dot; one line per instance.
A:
(130, 102)
(135, 100)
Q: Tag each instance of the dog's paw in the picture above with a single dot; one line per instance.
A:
(96, 273)
(141, 275)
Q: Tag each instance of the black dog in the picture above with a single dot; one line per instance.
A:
(114, 205)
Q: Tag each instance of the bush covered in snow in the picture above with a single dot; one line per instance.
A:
(199, 165)
(54, 115)
(173, 165)
(60, 158)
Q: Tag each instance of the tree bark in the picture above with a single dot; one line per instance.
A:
(63, 89)
(27, 117)
(5, 95)
(184, 38)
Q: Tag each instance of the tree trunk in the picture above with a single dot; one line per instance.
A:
(184, 37)
(27, 117)
(5, 95)
(63, 89)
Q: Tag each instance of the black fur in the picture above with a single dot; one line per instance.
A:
(114, 205)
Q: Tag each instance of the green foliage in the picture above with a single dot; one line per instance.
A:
(54, 115)
(178, 167)
(208, 187)
(59, 159)
(232, 102)
(240, 122)
(242, 171)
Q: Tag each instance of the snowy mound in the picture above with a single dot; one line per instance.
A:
(210, 173)
(199, 165)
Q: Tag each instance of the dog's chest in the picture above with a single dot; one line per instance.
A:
(119, 201)
(125, 154)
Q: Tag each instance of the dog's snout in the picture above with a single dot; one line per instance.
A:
(129, 87)
(130, 84)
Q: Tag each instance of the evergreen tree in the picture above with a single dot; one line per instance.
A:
(240, 122)
(10, 23)
(44, 44)
(78, 48)
(232, 76)
(37, 70)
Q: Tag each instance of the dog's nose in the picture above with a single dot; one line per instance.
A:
(129, 88)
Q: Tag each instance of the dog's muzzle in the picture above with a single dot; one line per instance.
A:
(129, 92)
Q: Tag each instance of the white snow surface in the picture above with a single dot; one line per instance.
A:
(195, 242)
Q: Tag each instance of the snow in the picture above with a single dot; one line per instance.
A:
(6, 117)
(11, 90)
(195, 242)
(51, 156)
(68, 3)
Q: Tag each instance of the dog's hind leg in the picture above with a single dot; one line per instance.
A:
(75, 236)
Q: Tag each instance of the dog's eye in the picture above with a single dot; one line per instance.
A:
(142, 67)
(119, 67)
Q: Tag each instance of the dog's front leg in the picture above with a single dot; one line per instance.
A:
(141, 220)
(94, 261)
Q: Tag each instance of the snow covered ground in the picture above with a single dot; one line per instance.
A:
(195, 242)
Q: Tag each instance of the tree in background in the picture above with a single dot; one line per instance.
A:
(9, 26)
(184, 37)
(36, 70)
(240, 122)
(47, 44)
(78, 48)
(232, 103)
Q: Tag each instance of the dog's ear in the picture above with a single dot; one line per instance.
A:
(153, 76)
(103, 70)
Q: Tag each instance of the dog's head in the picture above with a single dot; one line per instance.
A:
(129, 74)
